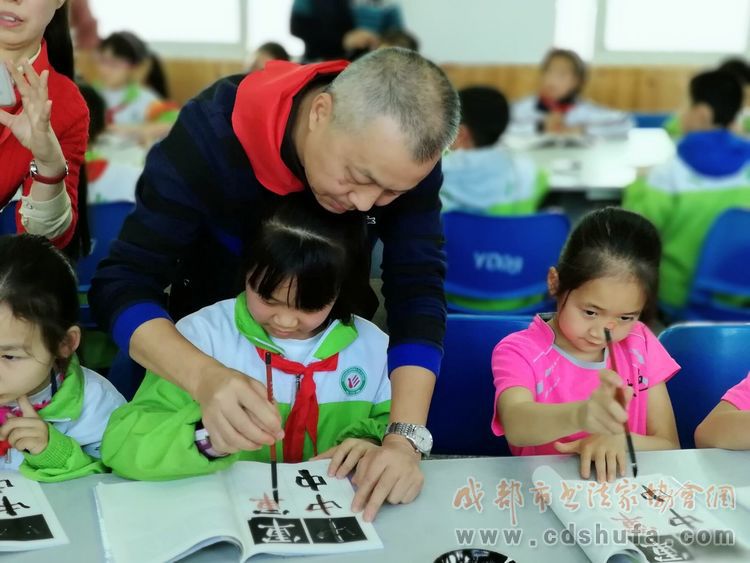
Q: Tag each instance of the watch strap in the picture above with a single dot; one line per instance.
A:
(49, 180)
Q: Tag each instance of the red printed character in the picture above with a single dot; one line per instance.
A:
(600, 491)
(541, 495)
(627, 494)
(568, 495)
(509, 497)
(469, 496)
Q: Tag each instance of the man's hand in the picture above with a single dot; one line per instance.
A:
(390, 473)
(236, 411)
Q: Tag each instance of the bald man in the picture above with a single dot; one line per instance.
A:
(366, 136)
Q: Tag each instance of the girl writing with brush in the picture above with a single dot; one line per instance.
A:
(556, 388)
(303, 273)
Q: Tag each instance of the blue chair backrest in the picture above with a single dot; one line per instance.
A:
(713, 357)
(651, 120)
(463, 401)
(495, 257)
(8, 219)
(722, 270)
(105, 222)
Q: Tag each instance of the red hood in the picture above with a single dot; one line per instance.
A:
(260, 115)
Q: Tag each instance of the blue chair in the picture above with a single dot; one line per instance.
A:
(105, 222)
(8, 219)
(651, 120)
(502, 258)
(722, 271)
(463, 401)
(713, 357)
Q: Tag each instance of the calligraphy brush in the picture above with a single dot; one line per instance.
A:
(274, 474)
(620, 397)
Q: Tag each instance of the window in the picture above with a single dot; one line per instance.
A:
(695, 26)
(269, 21)
(575, 26)
(186, 21)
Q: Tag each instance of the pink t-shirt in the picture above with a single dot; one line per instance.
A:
(530, 359)
(739, 395)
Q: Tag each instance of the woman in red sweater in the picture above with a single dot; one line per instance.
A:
(43, 137)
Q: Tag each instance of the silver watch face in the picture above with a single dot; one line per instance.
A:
(422, 439)
(418, 435)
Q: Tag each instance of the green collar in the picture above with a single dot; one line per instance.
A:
(92, 155)
(335, 338)
(131, 91)
(67, 403)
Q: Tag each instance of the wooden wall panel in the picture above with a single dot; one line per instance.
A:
(647, 88)
(625, 87)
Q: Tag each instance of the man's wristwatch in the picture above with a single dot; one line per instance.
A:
(49, 180)
(418, 435)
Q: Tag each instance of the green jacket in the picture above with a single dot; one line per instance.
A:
(76, 415)
(153, 437)
(683, 203)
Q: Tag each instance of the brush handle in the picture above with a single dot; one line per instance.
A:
(269, 389)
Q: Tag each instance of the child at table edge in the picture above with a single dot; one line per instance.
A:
(53, 411)
(555, 384)
(302, 274)
(727, 425)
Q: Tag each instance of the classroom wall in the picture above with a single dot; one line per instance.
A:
(482, 31)
(626, 87)
(631, 88)
(518, 32)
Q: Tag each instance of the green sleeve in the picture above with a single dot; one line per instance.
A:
(673, 127)
(153, 436)
(61, 460)
(654, 204)
(371, 428)
(541, 188)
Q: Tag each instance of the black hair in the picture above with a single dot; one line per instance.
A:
(485, 113)
(97, 110)
(738, 67)
(579, 67)
(59, 43)
(400, 38)
(276, 51)
(721, 91)
(612, 242)
(60, 55)
(39, 286)
(128, 46)
(326, 254)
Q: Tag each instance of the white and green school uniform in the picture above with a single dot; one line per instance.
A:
(596, 120)
(491, 180)
(153, 437)
(134, 104)
(683, 198)
(77, 414)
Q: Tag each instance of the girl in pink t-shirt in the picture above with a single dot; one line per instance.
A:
(554, 387)
(728, 425)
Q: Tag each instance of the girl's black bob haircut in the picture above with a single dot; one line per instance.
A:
(324, 254)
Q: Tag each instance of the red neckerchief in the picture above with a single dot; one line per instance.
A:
(304, 415)
(109, 114)
(260, 114)
(556, 106)
(15, 411)
(40, 63)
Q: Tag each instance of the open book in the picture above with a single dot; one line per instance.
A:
(27, 521)
(651, 518)
(168, 520)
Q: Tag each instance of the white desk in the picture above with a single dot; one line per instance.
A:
(423, 530)
(604, 166)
